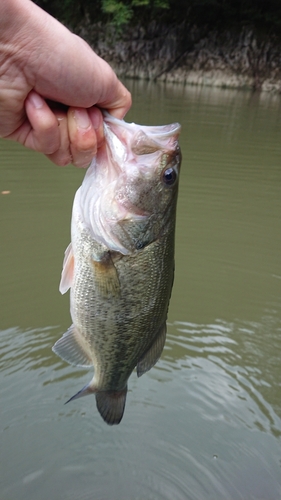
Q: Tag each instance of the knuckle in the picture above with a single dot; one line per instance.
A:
(86, 145)
(60, 159)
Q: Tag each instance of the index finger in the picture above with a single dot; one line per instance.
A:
(117, 99)
(122, 104)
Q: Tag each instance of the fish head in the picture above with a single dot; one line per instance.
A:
(136, 175)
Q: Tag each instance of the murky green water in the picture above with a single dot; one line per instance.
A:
(205, 423)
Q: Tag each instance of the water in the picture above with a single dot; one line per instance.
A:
(205, 423)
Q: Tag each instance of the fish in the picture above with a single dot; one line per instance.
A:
(119, 265)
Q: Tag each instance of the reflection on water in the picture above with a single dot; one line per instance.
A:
(205, 423)
(240, 368)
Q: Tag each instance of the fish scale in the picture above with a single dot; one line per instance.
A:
(120, 263)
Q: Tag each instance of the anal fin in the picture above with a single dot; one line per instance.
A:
(71, 347)
(152, 355)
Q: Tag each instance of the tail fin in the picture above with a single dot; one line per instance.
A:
(111, 405)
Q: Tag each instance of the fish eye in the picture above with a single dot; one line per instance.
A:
(169, 176)
(140, 245)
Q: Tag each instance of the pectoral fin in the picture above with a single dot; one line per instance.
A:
(67, 270)
(71, 347)
(151, 356)
(106, 277)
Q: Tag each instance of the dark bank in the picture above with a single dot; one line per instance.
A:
(232, 43)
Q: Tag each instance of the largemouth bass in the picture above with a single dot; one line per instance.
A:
(119, 265)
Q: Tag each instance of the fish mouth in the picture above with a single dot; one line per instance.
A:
(157, 132)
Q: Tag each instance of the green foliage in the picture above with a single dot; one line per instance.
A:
(264, 15)
(68, 11)
(158, 4)
(120, 12)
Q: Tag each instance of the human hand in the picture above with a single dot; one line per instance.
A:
(42, 64)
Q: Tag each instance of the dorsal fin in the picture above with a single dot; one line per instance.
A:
(152, 355)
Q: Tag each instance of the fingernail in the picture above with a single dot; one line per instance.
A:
(82, 118)
(97, 122)
(96, 118)
(36, 100)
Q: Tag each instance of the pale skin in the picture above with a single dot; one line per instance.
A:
(42, 61)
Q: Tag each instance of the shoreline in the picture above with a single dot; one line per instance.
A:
(189, 55)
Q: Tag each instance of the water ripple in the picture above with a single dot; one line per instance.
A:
(198, 425)
(226, 364)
